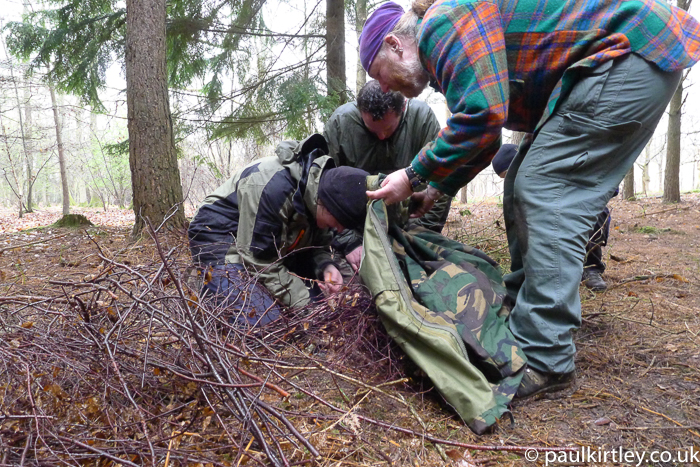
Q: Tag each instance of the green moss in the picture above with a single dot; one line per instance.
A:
(465, 212)
(73, 221)
(650, 230)
(646, 229)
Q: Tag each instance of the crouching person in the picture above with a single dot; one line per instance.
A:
(271, 220)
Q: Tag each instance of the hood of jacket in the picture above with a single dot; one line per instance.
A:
(306, 161)
(288, 151)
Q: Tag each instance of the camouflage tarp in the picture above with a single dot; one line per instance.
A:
(442, 302)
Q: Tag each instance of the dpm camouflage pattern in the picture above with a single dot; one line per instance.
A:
(442, 302)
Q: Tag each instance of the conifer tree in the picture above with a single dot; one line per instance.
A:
(207, 43)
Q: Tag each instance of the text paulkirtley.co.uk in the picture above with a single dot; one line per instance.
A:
(592, 456)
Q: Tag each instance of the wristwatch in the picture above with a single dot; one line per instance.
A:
(417, 182)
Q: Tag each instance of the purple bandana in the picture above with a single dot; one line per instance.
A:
(378, 25)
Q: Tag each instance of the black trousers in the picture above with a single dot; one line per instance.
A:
(598, 239)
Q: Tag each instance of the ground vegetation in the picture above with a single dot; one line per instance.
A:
(110, 357)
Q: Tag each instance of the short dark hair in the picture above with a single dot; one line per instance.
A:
(373, 101)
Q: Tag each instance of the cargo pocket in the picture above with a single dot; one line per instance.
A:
(588, 87)
(585, 148)
(575, 125)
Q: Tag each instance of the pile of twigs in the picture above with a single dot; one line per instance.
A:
(487, 232)
(128, 367)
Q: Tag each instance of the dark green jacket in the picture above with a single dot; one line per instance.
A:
(263, 214)
(351, 143)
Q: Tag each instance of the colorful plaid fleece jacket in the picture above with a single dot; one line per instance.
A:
(505, 63)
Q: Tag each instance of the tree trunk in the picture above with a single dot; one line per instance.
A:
(27, 205)
(74, 191)
(17, 188)
(646, 178)
(672, 193)
(361, 17)
(517, 137)
(27, 135)
(335, 49)
(628, 186)
(61, 155)
(155, 175)
(29, 148)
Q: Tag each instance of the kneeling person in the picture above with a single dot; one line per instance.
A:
(272, 219)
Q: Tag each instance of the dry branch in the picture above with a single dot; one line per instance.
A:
(132, 367)
(22, 245)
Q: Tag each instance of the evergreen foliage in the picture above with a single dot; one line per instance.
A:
(244, 87)
(78, 41)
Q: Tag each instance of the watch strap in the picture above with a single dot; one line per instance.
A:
(417, 182)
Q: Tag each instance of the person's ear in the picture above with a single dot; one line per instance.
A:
(394, 44)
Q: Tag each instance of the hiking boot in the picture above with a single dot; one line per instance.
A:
(535, 382)
(593, 280)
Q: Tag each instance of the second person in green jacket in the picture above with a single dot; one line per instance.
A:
(381, 132)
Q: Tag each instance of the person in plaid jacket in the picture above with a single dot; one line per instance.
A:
(589, 79)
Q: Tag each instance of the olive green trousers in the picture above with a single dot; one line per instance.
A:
(554, 191)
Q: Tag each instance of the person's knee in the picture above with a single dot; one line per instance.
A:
(247, 302)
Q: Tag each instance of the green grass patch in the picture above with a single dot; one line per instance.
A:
(651, 230)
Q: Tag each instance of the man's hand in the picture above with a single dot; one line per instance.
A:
(354, 258)
(333, 280)
(395, 188)
(421, 204)
(424, 201)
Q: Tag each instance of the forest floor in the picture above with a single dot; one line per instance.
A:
(91, 372)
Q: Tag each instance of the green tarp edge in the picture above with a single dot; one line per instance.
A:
(438, 350)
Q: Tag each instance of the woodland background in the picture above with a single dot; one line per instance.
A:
(234, 78)
(126, 111)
